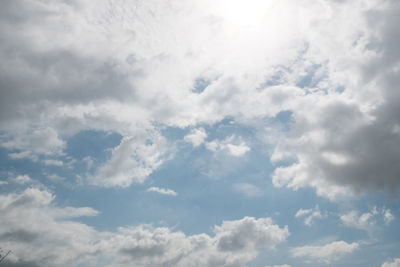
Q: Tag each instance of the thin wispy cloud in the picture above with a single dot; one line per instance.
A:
(162, 191)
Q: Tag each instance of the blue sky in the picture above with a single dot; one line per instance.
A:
(199, 133)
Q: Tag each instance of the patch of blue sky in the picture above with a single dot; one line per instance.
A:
(10, 168)
(200, 84)
(203, 179)
(310, 79)
(204, 182)
(284, 119)
(36, 170)
(275, 79)
(375, 246)
(92, 143)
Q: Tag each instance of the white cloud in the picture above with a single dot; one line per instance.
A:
(325, 253)
(72, 212)
(302, 212)
(284, 265)
(364, 221)
(32, 222)
(196, 137)
(235, 146)
(133, 160)
(388, 217)
(309, 215)
(162, 191)
(248, 190)
(29, 224)
(238, 150)
(394, 263)
(23, 155)
(38, 142)
(367, 221)
(84, 68)
(3, 183)
(22, 179)
(53, 162)
(234, 244)
(343, 142)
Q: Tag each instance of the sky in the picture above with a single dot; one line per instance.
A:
(259, 133)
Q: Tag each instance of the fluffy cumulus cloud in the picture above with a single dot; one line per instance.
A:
(394, 263)
(40, 233)
(348, 138)
(325, 253)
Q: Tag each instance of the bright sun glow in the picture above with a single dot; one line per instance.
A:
(244, 13)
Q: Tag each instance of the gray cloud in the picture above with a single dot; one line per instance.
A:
(350, 140)
(38, 232)
(19, 236)
(20, 264)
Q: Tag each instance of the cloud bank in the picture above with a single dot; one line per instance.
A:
(40, 233)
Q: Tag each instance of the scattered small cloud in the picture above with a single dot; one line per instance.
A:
(162, 191)
(235, 146)
(388, 217)
(309, 215)
(55, 178)
(247, 190)
(42, 141)
(367, 221)
(393, 263)
(22, 179)
(53, 162)
(196, 137)
(325, 253)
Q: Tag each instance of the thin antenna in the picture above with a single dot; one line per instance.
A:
(1, 259)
